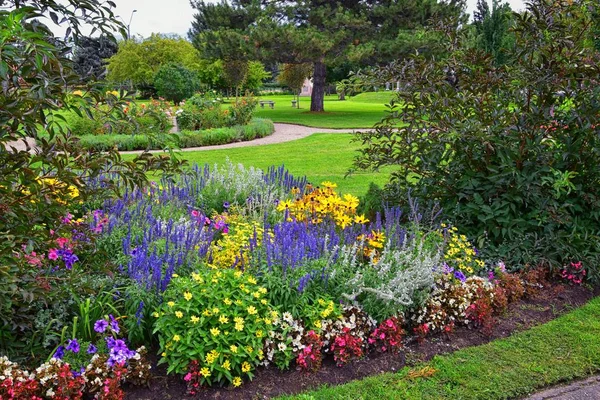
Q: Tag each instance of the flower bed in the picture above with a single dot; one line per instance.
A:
(226, 270)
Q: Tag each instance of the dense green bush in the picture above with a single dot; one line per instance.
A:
(175, 82)
(256, 129)
(511, 152)
(152, 117)
(205, 112)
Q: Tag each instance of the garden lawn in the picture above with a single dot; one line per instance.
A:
(361, 111)
(321, 157)
(564, 349)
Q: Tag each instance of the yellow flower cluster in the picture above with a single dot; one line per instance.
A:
(460, 253)
(60, 191)
(373, 244)
(234, 248)
(321, 203)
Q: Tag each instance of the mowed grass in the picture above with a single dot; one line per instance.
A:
(361, 111)
(320, 157)
(561, 350)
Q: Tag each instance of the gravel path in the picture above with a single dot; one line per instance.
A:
(581, 390)
(282, 133)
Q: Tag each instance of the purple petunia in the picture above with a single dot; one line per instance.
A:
(100, 326)
(460, 276)
(73, 346)
(118, 353)
(92, 349)
(114, 325)
(226, 205)
(59, 353)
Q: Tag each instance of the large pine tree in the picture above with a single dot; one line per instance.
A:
(318, 32)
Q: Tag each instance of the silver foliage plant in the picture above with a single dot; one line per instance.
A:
(397, 280)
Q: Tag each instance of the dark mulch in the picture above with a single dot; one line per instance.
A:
(554, 301)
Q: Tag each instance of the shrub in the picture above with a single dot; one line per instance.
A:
(175, 82)
(509, 152)
(185, 139)
(219, 318)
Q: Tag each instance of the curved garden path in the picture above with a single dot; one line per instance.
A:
(282, 133)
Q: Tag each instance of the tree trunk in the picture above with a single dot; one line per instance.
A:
(318, 91)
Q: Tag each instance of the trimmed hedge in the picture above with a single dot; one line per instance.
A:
(257, 128)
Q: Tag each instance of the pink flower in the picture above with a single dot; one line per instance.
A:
(62, 241)
(53, 254)
(195, 213)
(187, 377)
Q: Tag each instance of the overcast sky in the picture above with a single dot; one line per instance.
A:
(175, 16)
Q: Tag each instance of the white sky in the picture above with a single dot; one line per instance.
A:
(175, 16)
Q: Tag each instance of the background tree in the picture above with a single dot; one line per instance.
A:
(294, 76)
(492, 29)
(90, 55)
(175, 83)
(139, 61)
(307, 31)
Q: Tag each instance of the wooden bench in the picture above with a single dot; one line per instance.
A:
(270, 103)
(294, 102)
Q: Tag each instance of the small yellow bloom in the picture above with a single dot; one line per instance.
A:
(237, 274)
(237, 381)
(194, 319)
(176, 338)
(205, 372)
(227, 301)
(187, 296)
(226, 365)
(251, 310)
(259, 333)
(233, 348)
(171, 303)
(251, 280)
(215, 331)
(263, 301)
(239, 327)
(246, 367)
(175, 276)
(178, 314)
(164, 354)
(223, 319)
(215, 310)
(155, 314)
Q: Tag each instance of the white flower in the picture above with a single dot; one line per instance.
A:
(282, 346)
(50, 393)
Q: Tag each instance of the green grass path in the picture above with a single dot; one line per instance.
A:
(563, 349)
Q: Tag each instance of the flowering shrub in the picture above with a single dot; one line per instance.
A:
(219, 318)
(284, 341)
(346, 347)
(152, 117)
(240, 112)
(205, 112)
(321, 203)
(353, 321)
(574, 273)
(388, 335)
(233, 248)
(310, 357)
(460, 254)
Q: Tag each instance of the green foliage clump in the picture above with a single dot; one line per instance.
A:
(175, 82)
(256, 129)
(510, 152)
(219, 318)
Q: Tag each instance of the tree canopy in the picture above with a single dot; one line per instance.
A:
(90, 55)
(309, 31)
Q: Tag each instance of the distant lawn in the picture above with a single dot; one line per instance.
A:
(361, 111)
(321, 157)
